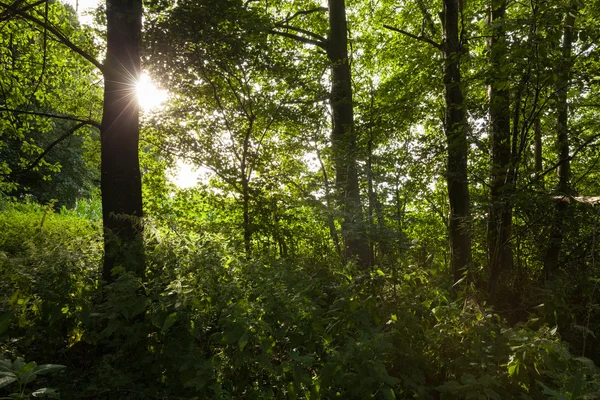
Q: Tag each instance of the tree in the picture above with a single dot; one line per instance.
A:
(455, 126)
(500, 214)
(121, 182)
(120, 174)
(343, 132)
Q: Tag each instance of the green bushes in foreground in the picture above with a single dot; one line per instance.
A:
(207, 323)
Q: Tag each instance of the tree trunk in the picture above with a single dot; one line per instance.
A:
(538, 167)
(456, 136)
(246, 216)
(500, 257)
(120, 172)
(555, 240)
(374, 236)
(343, 137)
(330, 220)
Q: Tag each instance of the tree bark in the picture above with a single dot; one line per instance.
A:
(555, 240)
(500, 257)
(120, 171)
(456, 137)
(343, 138)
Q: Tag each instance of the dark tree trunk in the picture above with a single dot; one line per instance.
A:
(246, 216)
(555, 240)
(373, 236)
(121, 179)
(537, 151)
(500, 257)
(456, 136)
(343, 137)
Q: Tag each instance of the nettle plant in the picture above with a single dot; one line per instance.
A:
(18, 375)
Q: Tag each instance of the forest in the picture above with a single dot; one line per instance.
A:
(391, 199)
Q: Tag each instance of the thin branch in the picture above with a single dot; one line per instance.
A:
(48, 149)
(568, 159)
(419, 38)
(44, 56)
(304, 31)
(322, 45)
(42, 114)
(6, 14)
(59, 35)
(305, 12)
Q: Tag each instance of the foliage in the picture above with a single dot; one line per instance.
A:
(21, 373)
(44, 87)
(245, 293)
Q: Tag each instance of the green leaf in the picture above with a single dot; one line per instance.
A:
(18, 364)
(29, 367)
(7, 380)
(243, 341)
(138, 306)
(388, 393)
(380, 272)
(491, 394)
(5, 321)
(46, 392)
(6, 366)
(48, 368)
(169, 321)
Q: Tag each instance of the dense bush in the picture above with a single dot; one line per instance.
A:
(207, 323)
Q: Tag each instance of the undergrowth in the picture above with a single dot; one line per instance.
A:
(208, 323)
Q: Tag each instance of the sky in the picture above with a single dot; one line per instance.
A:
(82, 6)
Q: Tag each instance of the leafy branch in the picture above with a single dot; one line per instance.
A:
(57, 33)
(39, 158)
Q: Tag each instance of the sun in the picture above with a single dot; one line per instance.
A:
(149, 96)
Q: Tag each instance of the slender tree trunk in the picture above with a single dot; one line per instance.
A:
(246, 216)
(500, 257)
(330, 220)
(537, 151)
(120, 172)
(343, 137)
(373, 236)
(555, 240)
(456, 136)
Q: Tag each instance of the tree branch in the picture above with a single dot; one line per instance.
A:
(6, 14)
(42, 114)
(304, 31)
(59, 35)
(568, 159)
(305, 12)
(419, 38)
(322, 45)
(47, 150)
